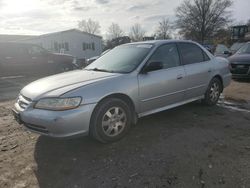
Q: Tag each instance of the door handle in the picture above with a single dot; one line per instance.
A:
(8, 57)
(179, 77)
(209, 70)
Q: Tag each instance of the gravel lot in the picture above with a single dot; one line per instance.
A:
(189, 146)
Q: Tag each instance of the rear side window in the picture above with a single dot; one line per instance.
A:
(168, 55)
(191, 53)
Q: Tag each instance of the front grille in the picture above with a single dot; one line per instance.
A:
(37, 128)
(23, 102)
(240, 68)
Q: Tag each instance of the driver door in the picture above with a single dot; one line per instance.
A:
(160, 88)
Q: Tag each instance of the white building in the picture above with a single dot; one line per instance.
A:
(74, 42)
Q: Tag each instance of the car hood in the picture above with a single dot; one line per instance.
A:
(59, 84)
(239, 58)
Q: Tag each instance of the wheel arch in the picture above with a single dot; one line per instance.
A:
(221, 80)
(122, 97)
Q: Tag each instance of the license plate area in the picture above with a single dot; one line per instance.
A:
(17, 116)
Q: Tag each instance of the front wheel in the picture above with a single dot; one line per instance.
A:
(213, 92)
(111, 120)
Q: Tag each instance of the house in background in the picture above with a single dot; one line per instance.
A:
(74, 42)
(240, 33)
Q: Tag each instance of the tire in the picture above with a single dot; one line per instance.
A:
(213, 92)
(111, 120)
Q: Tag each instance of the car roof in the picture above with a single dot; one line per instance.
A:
(160, 42)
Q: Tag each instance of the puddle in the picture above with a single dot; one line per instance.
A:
(241, 107)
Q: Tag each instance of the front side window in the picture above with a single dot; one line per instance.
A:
(167, 55)
(191, 53)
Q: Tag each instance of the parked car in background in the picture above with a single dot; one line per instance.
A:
(236, 46)
(131, 81)
(30, 59)
(222, 51)
(240, 62)
(92, 59)
(209, 47)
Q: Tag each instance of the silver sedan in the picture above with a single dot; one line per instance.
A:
(127, 83)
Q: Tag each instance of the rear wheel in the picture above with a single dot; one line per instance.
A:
(111, 120)
(213, 92)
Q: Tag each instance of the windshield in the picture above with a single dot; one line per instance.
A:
(122, 59)
(236, 46)
(244, 49)
(220, 48)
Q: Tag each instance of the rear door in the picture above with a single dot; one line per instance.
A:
(164, 87)
(14, 60)
(198, 68)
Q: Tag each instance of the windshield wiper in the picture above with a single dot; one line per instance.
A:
(100, 70)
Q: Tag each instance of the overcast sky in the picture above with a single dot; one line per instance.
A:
(45, 16)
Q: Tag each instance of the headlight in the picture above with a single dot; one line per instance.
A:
(58, 103)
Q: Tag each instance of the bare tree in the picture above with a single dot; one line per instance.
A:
(201, 19)
(137, 32)
(114, 31)
(89, 26)
(223, 36)
(163, 30)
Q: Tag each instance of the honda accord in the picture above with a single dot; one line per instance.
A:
(129, 82)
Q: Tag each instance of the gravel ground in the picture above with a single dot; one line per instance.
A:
(186, 147)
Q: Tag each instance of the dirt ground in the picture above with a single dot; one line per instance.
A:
(192, 146)
(238, 91)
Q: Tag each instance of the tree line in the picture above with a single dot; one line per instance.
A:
(137, 32)
(198, 20)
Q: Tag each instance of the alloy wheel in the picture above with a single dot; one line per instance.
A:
(214, 92)
(114, 121)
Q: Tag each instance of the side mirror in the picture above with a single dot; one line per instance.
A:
(152, 66)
